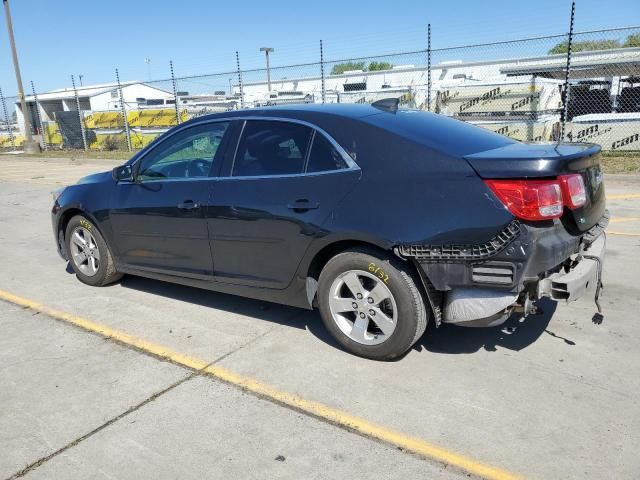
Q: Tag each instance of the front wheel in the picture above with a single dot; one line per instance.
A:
(88, 253)
(371, 304)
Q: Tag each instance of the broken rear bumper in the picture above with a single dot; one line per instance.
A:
(481, 287)
(585, 271)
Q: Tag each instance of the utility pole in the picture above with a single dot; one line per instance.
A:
(267, 51)
(30, 146)
(147, 60)
(80, 78)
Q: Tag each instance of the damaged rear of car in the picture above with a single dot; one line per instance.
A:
(489, 224)
(553, 247)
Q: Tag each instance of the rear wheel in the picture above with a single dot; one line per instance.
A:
(371, 304)
(88, 253)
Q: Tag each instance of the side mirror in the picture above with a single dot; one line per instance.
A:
(123, 173)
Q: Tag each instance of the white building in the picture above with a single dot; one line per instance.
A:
(358, 85)
(94, 98)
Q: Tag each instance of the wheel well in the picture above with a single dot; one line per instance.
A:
(328, 252)
(322, 258)
(66, 216)
(64, 221)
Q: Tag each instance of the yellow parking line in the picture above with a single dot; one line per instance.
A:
(623, 219)
(623, 196)
(35, 182)
(39, 177)
(29, 177)
(315, 409)
(624, 234)
(20, 178)
(80, 173)
(15, 170)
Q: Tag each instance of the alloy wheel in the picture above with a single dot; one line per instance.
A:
(363, 307)
(84, 251)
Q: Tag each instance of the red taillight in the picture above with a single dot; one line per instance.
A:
(575, 195)
(529, 199)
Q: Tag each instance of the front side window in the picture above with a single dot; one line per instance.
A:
(187, 154)
(271, 148)
(323, 157)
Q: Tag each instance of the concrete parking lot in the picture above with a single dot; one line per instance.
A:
(147, 379)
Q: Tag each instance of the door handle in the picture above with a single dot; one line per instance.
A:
(188, 205)
(303, 205)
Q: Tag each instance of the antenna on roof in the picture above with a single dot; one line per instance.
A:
(387, 104)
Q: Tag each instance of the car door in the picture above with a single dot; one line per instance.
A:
(285, 179)
(158, 219)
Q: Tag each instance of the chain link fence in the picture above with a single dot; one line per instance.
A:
(603, 99)
(10, 137)
(581, 87)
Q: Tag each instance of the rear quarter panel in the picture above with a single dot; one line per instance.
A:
(409, 193)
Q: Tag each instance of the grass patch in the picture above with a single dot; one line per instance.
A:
(80, 154)
(620, 162)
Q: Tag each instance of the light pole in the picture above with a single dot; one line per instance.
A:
(267, 51)
(147, 60)
(30, 146)
(80, 77)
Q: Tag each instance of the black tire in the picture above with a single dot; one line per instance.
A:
(106, 272)
(403, 283)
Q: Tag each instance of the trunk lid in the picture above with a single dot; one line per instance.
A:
(528, 160)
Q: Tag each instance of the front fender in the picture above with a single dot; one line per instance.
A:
(91, 200)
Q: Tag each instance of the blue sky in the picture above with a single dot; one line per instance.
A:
(91, 37)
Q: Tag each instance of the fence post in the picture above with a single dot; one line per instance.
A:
(429, 67)
(80, 117)
(240, 80)
(565, 91)
(124, 111)
(322, 72)
(42, 132)
(12, 139)
(175, 93)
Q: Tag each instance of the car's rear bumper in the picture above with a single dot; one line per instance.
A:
(525, 264)
(521, 254)
(573, 283)
(489, 306)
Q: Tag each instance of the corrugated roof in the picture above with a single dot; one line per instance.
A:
(83, 92)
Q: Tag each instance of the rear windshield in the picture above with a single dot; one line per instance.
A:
(441, 133)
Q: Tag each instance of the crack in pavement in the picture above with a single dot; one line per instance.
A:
(43, 460)
(197, 373)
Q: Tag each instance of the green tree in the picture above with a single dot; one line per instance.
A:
(375, 66)
(585, 45)
(632, 41)
(339, 68)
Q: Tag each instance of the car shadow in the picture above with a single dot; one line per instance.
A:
(515, 334)
(259, 309)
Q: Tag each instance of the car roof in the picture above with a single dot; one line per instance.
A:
(302, 111)
(437, 132)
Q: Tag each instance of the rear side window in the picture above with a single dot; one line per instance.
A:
(438, 132)
(323, 156)
(271, 148)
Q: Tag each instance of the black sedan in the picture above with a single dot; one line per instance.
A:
(383, 219)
